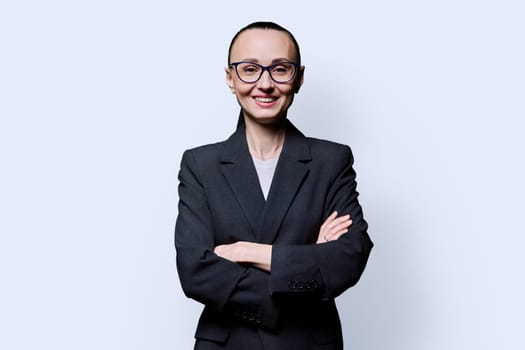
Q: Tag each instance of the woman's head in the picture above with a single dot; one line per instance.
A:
(267, 26)
(264, 71)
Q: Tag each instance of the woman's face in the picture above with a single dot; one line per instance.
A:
(264, 101)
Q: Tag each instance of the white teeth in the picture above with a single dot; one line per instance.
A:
(264, 99)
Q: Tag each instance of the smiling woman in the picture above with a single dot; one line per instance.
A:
(269, 230)
(264, 92)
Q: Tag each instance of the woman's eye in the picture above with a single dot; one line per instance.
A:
(280, 69)
(250, 69)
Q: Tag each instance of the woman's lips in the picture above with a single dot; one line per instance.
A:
(265, 101)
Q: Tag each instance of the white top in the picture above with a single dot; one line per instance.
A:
(265, 170)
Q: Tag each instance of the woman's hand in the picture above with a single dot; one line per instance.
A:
(257, 254)
(230, 252)
(333, 228)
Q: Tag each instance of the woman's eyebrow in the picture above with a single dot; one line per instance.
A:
(255, 60)
(250, 60)
(281, 60)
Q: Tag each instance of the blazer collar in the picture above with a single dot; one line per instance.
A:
(265, 217)
(295, 145)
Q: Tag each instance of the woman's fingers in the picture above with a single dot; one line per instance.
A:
(339, 229)
(329, 220)
(334, 227)
(337, 224)
(337, 235)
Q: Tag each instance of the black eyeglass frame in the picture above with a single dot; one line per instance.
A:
(263, 69)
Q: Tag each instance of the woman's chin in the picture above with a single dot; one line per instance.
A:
(266, 118)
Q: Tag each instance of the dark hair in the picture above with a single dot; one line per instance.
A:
(266, 25)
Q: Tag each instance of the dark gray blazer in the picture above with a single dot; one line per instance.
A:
(221, 202)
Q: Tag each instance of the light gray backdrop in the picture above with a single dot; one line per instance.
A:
(98, 100)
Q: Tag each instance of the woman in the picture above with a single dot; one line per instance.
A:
(269, 229)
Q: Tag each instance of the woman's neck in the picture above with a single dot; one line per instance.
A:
(265, 141)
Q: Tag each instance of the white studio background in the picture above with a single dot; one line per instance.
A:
(98, 100)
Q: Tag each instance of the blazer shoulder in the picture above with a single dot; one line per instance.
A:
(329, 151)
(204, 152)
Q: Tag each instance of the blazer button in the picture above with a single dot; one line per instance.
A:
(291, 285)
(300, 285)
(307, 285)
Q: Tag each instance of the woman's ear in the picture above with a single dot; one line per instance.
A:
(299, 79)
(229, 79)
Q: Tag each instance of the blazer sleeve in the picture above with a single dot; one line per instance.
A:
(211, 280)
(326, 269)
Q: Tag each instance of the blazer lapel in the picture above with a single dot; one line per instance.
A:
(238, 169)
(290, 174)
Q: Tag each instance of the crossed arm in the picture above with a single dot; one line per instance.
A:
(260, 255)
(236, 276)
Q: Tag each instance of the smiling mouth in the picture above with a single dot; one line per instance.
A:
(265, 99)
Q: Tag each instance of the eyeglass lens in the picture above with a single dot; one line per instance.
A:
(281, 72)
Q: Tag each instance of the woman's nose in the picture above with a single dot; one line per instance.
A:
(265, 82)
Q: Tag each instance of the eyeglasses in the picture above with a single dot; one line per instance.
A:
(250, 72)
